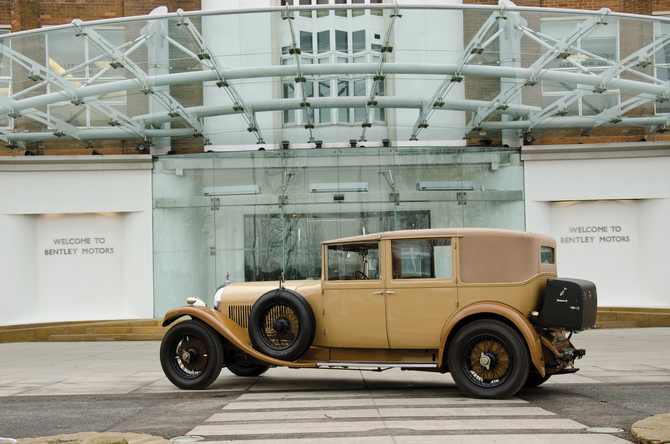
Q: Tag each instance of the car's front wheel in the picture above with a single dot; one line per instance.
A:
(488, 359)
(191, 355)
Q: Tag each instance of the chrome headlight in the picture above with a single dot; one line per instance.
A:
(217, 297)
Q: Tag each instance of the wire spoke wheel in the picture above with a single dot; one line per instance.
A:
(487, 361)
(190, 356)
(280, 326)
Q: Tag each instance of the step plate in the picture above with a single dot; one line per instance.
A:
(368, 365)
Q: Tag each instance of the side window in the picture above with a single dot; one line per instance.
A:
(353, 261)
(422, 258)
(547, 255)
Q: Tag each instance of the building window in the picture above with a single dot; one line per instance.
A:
(341, 12)
(357, 12)
(307, 14)
(379, 113)
(343, 91)
(358, 38)
(309, 92)
(377, 12)
(323, 13)
(288, 92)
(324, 113)
(341, 41)
(359, 91)
(306, 40)
(323, 41)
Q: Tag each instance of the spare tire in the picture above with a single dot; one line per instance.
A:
(281, 324)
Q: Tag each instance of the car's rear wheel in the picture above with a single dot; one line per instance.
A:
(488, 359)
(191, 355)
(281, 325)
(248, 369)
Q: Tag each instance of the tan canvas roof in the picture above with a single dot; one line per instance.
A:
(487, 255)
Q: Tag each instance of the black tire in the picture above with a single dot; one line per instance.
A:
(191, 355)
(534, 380)
(281, 325)
(247, 369)
(496, 345)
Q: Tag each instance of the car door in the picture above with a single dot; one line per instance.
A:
(421, 291)
(354, 311)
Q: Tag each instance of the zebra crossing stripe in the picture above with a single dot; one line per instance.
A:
(379, 413)
(562, 438)
(357, 402)
(264, 428)
(381, 394)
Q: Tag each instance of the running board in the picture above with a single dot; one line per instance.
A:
(375, 366)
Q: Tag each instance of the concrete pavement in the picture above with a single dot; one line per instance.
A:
(628, 356)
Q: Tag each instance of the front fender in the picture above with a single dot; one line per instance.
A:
(520, 322)
(230, 330)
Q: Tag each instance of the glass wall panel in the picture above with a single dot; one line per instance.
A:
(256, 214)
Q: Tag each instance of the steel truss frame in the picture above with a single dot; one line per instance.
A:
(504, 22)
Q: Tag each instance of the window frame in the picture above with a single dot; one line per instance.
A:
(397, 249)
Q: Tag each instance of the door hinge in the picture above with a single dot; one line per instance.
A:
(323, 331)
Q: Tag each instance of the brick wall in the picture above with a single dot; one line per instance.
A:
(31, 14)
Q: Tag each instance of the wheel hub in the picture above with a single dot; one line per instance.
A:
(281, 326)
(186, 355)
(487, 360)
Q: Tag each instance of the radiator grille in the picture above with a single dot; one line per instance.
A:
(240, 314)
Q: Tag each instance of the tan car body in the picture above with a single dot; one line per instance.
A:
(497, 274)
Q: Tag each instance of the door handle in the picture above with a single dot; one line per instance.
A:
(378, 292)
(390, 292)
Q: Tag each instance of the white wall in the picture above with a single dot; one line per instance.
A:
(77, 238)
(607, 208)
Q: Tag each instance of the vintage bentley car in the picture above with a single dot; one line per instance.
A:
(482, 304)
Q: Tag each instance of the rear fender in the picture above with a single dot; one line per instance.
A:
(230, 330)
(482, 310)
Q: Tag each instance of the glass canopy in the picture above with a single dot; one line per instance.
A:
(327, 75)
